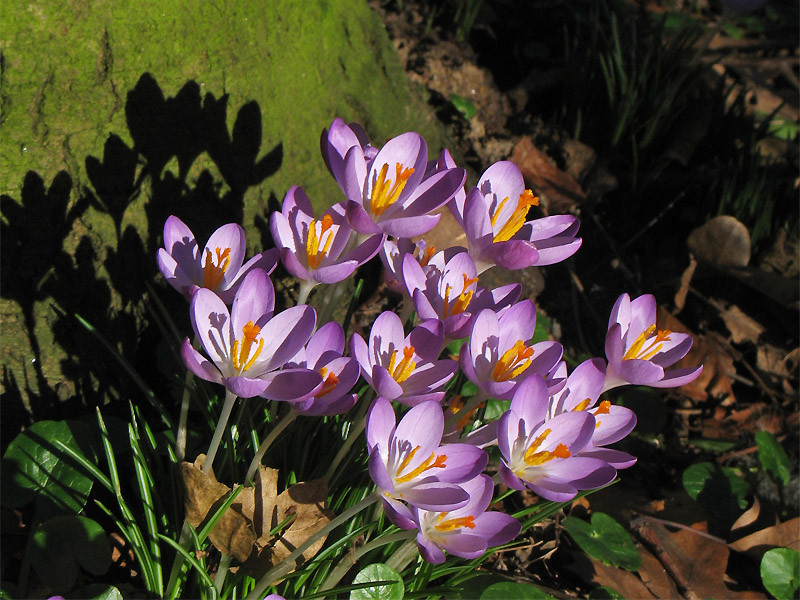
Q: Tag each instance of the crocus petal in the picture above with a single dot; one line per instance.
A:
(464, 462)
(253, 302)
(245, 387)
(422, 426)
(678, 377)
(615, 458)
(436, 495)
(428, 550)
(290, 384)
(384, 383)
(378, 472)
(640, 372)
(512, 254)
(228, 236)
(284, 335)
(212, 324)
(464, 545)
(406, 227)
(199, 364)
(496, 528)
(531, 400)
(380, 423)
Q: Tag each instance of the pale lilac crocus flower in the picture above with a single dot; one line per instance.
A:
(449, 291)
(499, 355)
(408, 464)
(543, 454)
(638, 352)
(493, 216)
(217, 268)
(248, 345)
(393, 253)
(323, 354)
(400, 367)
(311, 249)
(388, 193)
(468, 531)
(612, 422)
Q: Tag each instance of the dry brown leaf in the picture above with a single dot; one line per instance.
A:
(624, 582)
(721, 242)
(559, 191)
(771, 359)
(742, 327)
(686, 280)
(579, 158)
(233, 534)
(713, 381)
(783, 535)
(655, 577)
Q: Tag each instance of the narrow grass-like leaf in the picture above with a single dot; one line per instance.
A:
(212, 520)
(188, 557)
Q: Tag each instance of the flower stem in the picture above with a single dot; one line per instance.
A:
(403, 556)
(286, 566)
(304, 291)
(230, 398)
(222, 571)
(349, 560)
(180, 435)
(282, 424)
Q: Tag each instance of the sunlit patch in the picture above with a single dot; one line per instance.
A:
(384, 192)
(513, 362)
(648, 344)
(516, 219)
(213, 272)
(240, 352)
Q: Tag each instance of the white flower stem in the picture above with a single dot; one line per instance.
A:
(400, 559)
(222, 571)
(180, 435)
(346, 563)
(230, 399)
(279, 427)
(288, 564)
(304, 291)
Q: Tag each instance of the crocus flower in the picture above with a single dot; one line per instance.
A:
(543, 454)
(408, 464)
(248, 345)
(493, 216)
(638, 352)
(323, 354)
(467, 531)
(612, 422)
(400, 367)
(393, 253)
(217, 268)
(449, 291)
(311, 249)
(498, 355)
(388, 193)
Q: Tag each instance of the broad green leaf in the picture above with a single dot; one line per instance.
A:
(712, 445)
(464, 105)
(96, 591)
(511, 589)
(35, 468)
(715, 484)
(62, 545)
(378, 572)
(773, 457)
(605, 593)
(605, 540)
(780, 572)
(544, 325)
(495, 409)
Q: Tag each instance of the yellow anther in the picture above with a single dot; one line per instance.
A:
(405, 367)
(313, 251)
(654, 340)
(432, 462)
(517, 219)
(384, 193)
(582, 404)
(453, 524)
(461, 304)
(534, 457)
(513, 362)
(213, 273)
(240, 352)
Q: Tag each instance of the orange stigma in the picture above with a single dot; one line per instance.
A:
(213, 273)
(432, 462)
(384, 193)
(463, 300)
(517, 219)
(240, 352)
(443, 524)
(314, 253)
(654, 340)
(329, 383)
(405, 367)
(513, 362)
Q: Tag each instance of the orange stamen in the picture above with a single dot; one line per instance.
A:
(453, 524)
(461, 304)
(517, 219)
(405, 367)
(384, 194)
(240, 352)
(582, 404)
(313, 252)
(534, 457)
(329, 383)
(513, 362)
(213, 273)
(638, 350)
(432, 462)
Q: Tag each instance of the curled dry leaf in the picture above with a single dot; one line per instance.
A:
(721, 242)
(559, 191)
(244, 529)
(782, 535)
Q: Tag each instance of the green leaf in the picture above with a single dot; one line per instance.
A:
(605, 593)
(35, 468)
(544, 325)
(464, 105)
(511, 589)
(605, 540)
(715, 484)
(62, 545)
(714, 446)
(495, 409)
(378, 573)
(780, 572)
(96, 591)
(773, 457)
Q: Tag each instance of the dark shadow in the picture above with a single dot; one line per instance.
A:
(45, 259)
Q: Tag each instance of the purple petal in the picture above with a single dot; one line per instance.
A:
(422, 426)
(531, 401)
(284, 335)
(199, 364)
(359, 351)
(678, 377)
(427, 339)
(378, 472)
(380, 424)
(245, 387)
(428, 550)
(512, 254)
(406, 227)
(384, 384)
(212, 324)
(228, 236)
(290, 384)
(640, 372)
(438, 496)
(464, 462)
(496, 528)
(253, 302)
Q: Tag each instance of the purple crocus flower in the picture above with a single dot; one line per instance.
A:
(248, 345)
(498, 355)
(217, 268)
(449, 291)
(400, 367)
(543, 454)
(323, 354)
(612, 422)
(467, 531)
(392, 255)
(638, 352)
(311, 249)
(408, 464)
(493, 216)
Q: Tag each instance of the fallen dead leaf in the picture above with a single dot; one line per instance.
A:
(782, 535)
(559, 191)
(743, 328)
(594, 571)
(722, 242)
